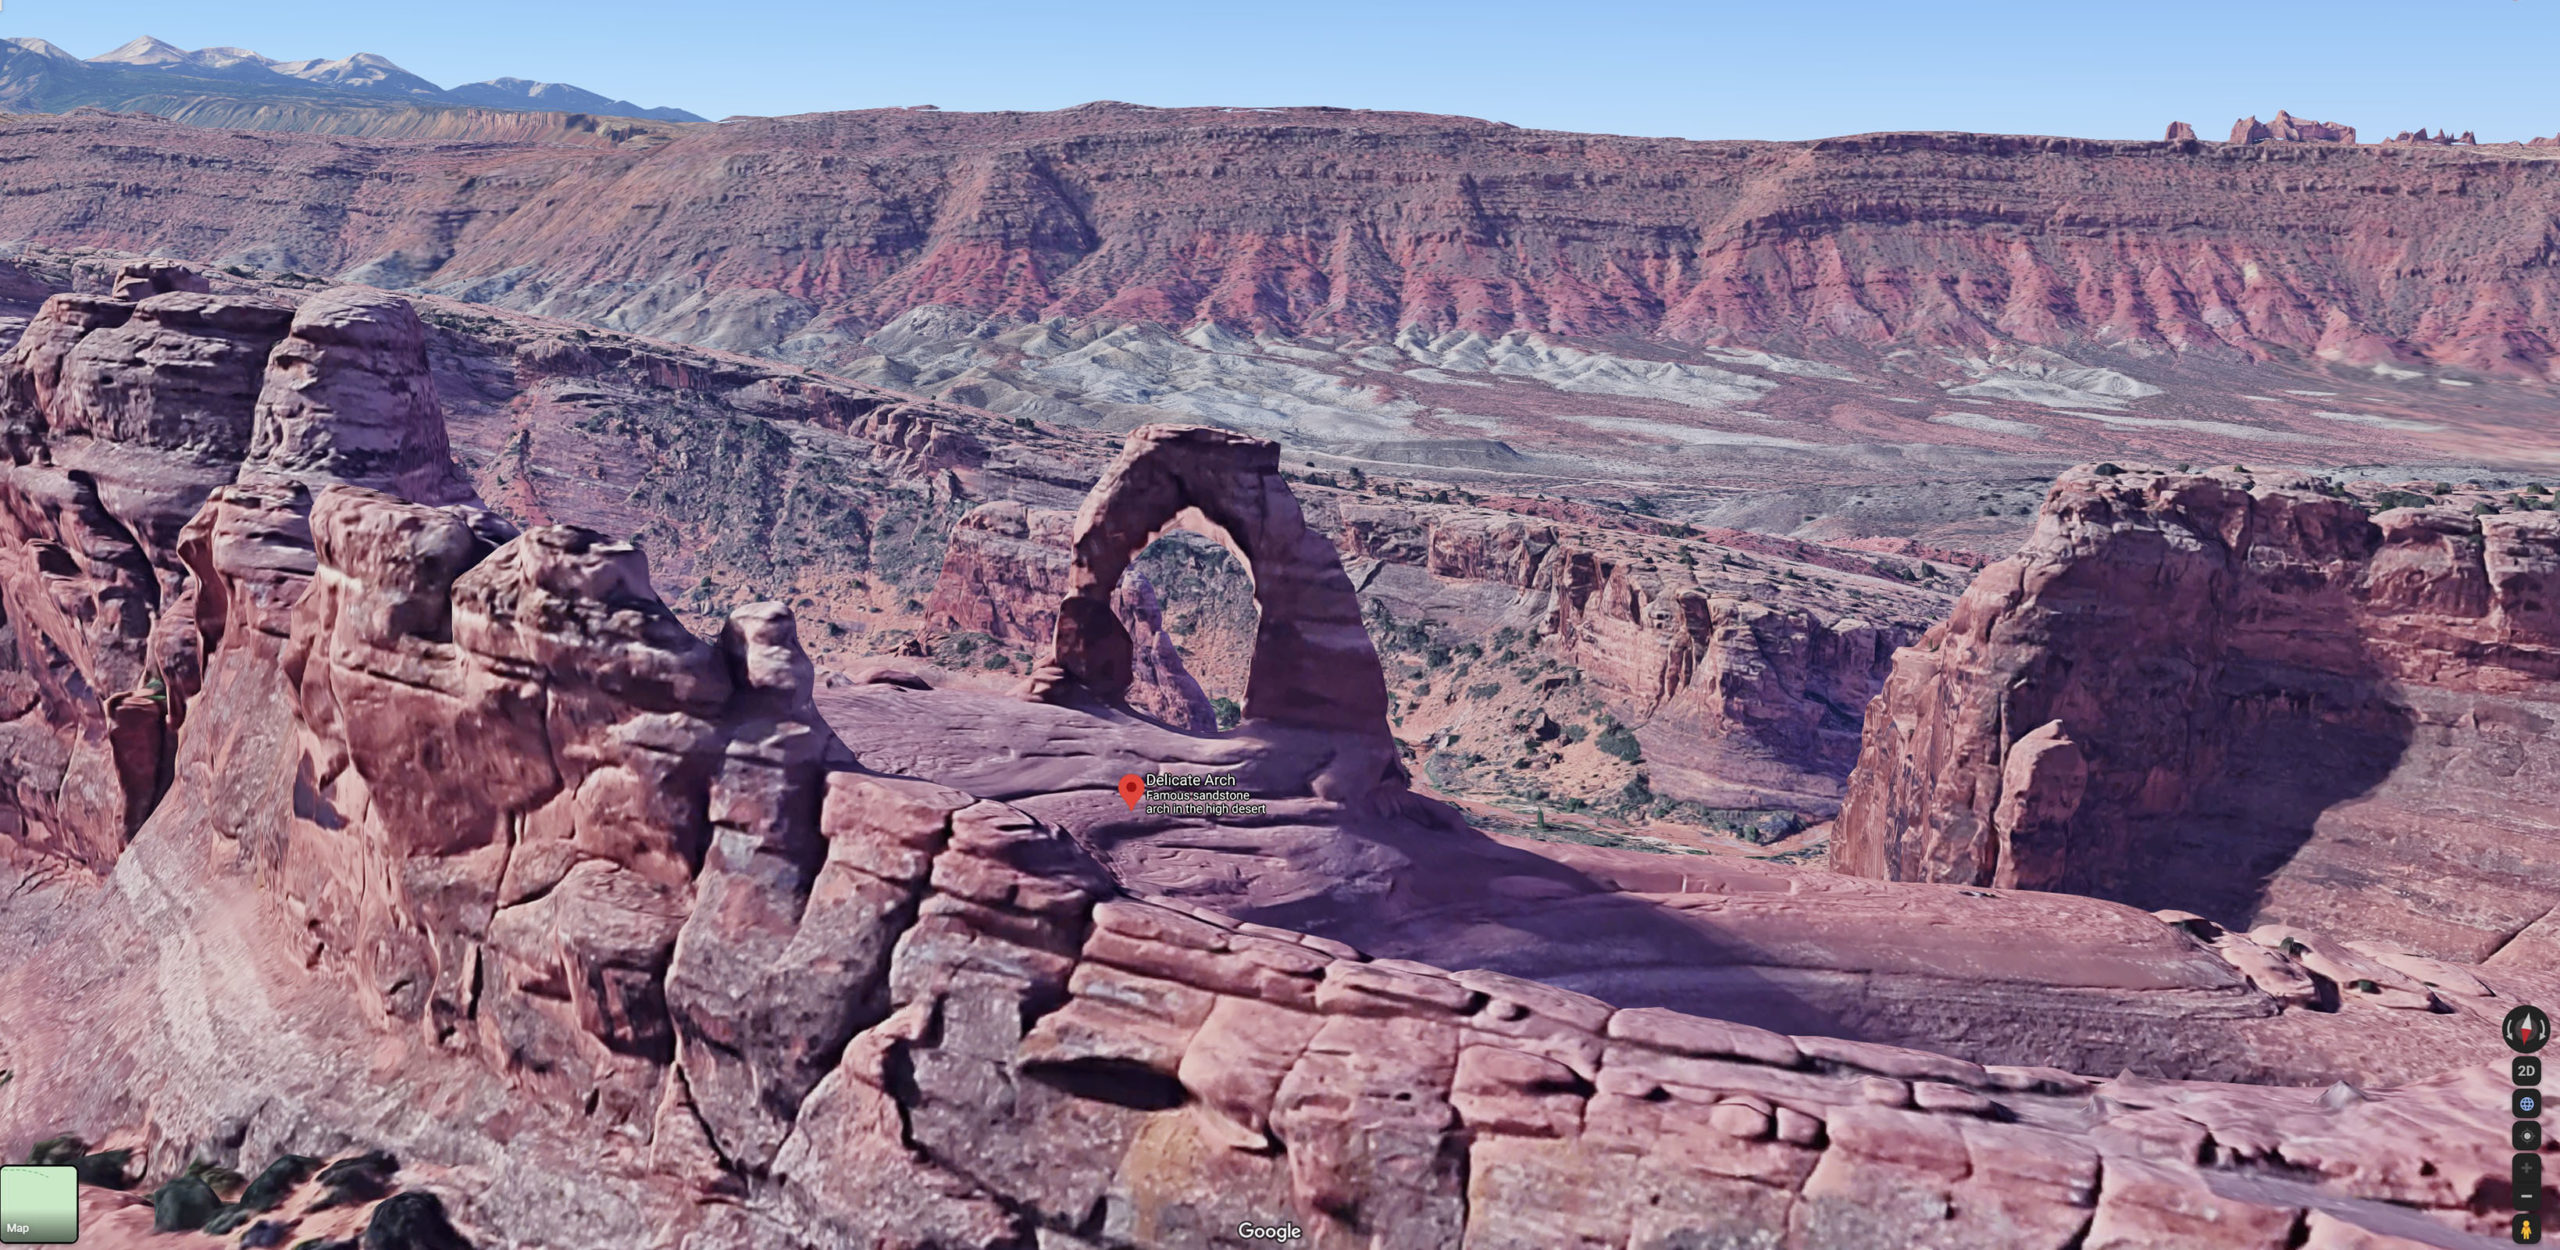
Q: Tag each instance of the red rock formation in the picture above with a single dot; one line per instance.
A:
(144, 279)
(472, 845)
(2243, 696)
(2440, 139)
(123, 418)
(347, 398)
(1391, 220)
(2287, 128)
(1313, 664)
(2179, 132)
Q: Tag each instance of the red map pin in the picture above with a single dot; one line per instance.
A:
(1132, 788)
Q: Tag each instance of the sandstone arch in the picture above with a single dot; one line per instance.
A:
(1313, 664)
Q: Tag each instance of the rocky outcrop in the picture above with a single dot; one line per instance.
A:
(2244, 695)
(2444, 138)
(122, 419)
(2179, 132)
(1313, 664)
(2287, 128)
(347, 398)
(141, 280)
(1008, 567)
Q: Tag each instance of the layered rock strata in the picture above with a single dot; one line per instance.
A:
(1393, 220)
(469, 847)
(2245, 695)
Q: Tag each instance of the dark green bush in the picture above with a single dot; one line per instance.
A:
(57, 1151)
(182, 1205)
(1621, 742)
(411, 1221)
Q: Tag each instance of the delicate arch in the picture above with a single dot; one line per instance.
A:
(1313, 664)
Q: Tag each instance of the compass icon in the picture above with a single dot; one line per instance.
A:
(2527, 1029)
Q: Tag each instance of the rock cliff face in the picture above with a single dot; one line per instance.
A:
(123, 417)
(1393, 220)
(471, 849)
(2245, 695)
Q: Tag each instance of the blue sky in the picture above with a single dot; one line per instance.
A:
(1768, 70)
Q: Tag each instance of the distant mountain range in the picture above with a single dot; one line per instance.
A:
(151, 75)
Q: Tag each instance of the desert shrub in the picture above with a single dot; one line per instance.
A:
(356, 1181)
(1484, 690)
(1768, 827)
(412, 1221)
(1621, 742)
(105, 1169)
(57, 1151)
(2106, 469)
(222, 1179)
(183, 1205)
(1229, 714)
(267, 1190)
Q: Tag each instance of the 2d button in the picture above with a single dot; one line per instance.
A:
(2526, 1069)
(2526, 1135)
(39, 1206)
(2527, 1103)
(2527, 1029)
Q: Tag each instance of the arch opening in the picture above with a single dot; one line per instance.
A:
(1312, 665)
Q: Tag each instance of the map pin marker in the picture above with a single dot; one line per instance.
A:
(1132, 788)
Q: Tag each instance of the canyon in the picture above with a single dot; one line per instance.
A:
(454, 807)
(597, 657)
